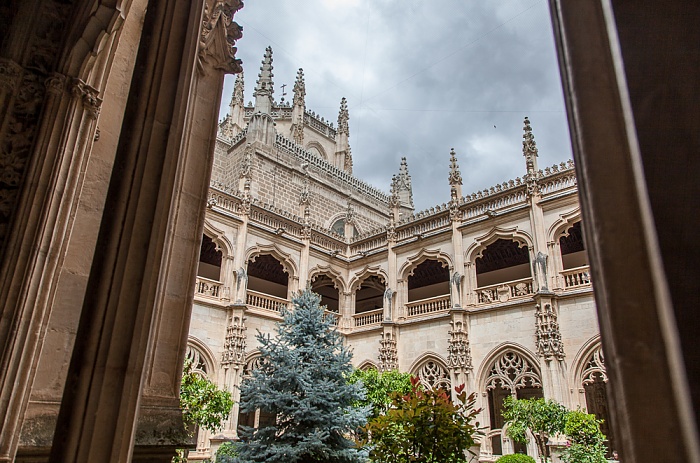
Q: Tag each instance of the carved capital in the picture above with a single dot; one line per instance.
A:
(219, 35)
(10, 74)
(88, 96)
(55, 83)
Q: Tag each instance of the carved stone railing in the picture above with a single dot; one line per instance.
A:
(210, 289)
(367, 245)
(429, 305)
(265, 301)
(275, 219)
(319, 125)
(576, 277)
(371, 317)
(502, 200)
(503, 292)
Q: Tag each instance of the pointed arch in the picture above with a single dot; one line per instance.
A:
(563, 224)
(219, 238)
(589, 360)
(366, 272)
(368, 365)
(496, 233)
(432, 371)
(288, 265)
(513, 364)
(421, 256)
(313, 144)
(201, 358)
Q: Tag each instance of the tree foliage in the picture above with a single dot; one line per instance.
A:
(227, 452)
(541, 417)
(202, 403)
(379, 388)
(424, 426)
(302, 382)
(587, 440)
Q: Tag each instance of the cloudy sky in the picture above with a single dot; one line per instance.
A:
(420, 77)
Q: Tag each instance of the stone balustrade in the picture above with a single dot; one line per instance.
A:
(210, 289)
(265, 301)
(576, 277)
(503, 292)
(372, 317)
(429, 305)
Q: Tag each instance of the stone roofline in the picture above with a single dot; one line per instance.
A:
(311, 119)
(553, 181)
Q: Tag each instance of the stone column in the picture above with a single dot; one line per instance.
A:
(131, 339)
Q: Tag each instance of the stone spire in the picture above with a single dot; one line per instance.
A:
(343, 158)
(455, 177)
(264, 86)
(235, 120)
(403, 188)
(261, 126)
(529, 148)
(299, 106)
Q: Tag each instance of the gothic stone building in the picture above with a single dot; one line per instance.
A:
(491, 290)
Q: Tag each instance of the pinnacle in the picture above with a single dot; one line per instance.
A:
(343, 117)
(266, 75)
(529, 145)
(455, 176)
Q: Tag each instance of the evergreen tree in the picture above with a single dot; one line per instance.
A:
(302, 382)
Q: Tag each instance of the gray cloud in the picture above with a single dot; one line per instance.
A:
(420, 78)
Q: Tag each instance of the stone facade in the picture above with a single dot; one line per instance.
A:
(491, 290)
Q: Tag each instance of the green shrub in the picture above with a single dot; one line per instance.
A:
(227, 452)
(516, 458)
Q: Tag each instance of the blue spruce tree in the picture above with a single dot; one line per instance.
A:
(302, 383)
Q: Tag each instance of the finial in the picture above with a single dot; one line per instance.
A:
(529, 146)
(343, 117)
(299, 89)
(265, 77)
(238, 86)
(455, 177)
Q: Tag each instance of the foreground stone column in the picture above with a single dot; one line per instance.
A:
(133, 327)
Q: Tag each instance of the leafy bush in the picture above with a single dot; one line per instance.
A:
(587, 441)
(227, 452)
(516, 458)
(379, 388)
(423, 426)
(543, 418)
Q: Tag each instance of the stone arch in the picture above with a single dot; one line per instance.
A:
(328, 270)
(530, 370)
(366, 272)
(581, 369)
(219, 237)
(318, 147)
(340, 216)
(368, 365)
(432, 371)
(201, 358)
(563, 224)
(288, 264)
(481, 242)
(413, 261)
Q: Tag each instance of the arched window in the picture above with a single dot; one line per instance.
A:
(266, 275)
(209, 260)
(429, 279)
(369, 295)
(339, 228)
(197, 362)
(325, 287)
(503, 272)
(510, 374)
(573, 250)
(434, 375)
(594, 380)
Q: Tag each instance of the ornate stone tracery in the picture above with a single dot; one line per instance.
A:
(512, 371)
(433, 375)
(595, 368)
(197, 361)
